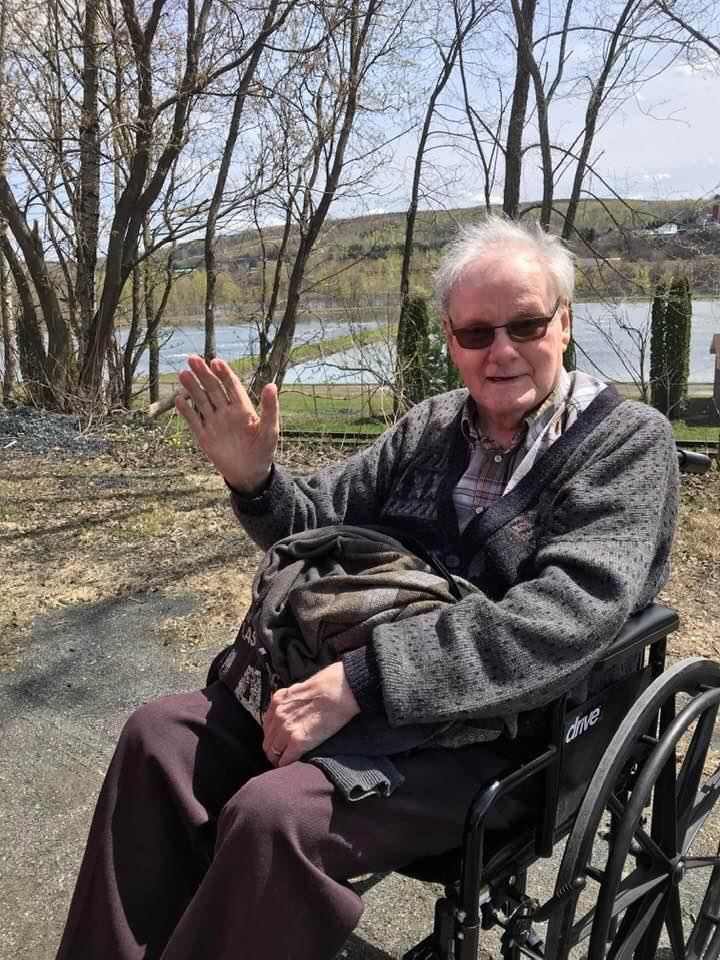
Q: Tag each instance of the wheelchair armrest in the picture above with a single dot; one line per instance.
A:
(651, 624)
(691, 462)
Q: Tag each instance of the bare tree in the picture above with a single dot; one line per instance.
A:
(6, 309)
(275, 16)
(518, 114)
(328, 97)
(466, 15)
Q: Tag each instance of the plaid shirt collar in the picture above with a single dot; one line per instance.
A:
(533, 423)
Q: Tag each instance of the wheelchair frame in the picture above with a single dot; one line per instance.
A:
(626, 774)
(483, 892)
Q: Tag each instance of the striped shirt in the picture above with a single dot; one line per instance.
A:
(493, 471)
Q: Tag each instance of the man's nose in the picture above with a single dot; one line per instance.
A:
(502, 346)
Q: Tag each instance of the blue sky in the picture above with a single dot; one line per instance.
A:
(661, 143)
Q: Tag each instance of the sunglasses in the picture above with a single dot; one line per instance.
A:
(519, 331)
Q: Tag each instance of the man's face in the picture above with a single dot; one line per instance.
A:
(507, 379)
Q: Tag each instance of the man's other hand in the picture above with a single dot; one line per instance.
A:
(304, 715)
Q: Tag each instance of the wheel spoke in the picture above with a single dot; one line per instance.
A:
(704, 802)
(694, 863)
(643, 838)
(673, 922)
(664, 814)
(633, 888)
(635, 926)
(691, 771)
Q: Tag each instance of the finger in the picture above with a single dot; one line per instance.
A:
(291, 753)
(191, 417)
(274, 757)
(269, 718)
(269, 415)
(273, 730)
(208, 380)
(234, 388)
(195, 390)
(274, 746)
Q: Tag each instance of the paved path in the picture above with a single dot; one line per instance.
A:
(84, 671)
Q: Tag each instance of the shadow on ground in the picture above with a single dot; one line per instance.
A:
(84, 669)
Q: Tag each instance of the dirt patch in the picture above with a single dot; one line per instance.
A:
(148, 514)
(145, 515)
(694, 585)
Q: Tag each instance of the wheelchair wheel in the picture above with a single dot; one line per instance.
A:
(645, 843)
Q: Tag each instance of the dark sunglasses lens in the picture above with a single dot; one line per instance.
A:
(475, 338)
(527, 329)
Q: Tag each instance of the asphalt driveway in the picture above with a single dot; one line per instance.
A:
(85, 668)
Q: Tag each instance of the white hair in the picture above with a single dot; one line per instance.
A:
(493, 233)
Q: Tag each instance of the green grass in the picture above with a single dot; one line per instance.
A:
(682, 431)
(327, 408)
(700, 422)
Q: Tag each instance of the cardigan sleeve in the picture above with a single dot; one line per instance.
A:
(602, 554)
(351, 492)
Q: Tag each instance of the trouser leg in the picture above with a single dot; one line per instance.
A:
(286, 845)
(152, 836)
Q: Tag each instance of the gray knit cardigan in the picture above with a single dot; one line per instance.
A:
(561, 561)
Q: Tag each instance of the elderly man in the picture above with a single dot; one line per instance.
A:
(548, 491)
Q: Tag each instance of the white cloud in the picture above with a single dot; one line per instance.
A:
(704, 68)
(652, 177)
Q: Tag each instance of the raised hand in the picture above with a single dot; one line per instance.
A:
(226, 427)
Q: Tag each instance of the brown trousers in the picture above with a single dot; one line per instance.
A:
(200, 850)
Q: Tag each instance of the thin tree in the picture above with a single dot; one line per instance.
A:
(275, 17)
(6, 309)
(413, 347)
(466, 17)
(518, 113)
(347, 59)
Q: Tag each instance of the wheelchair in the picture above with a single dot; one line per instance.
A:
(628, 779)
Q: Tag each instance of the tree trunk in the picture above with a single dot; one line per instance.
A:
(8, 329)
(88, 201)
(128, 357)
(60, 365)
(591, 116)
(516, 125)
(141, 189)
(221, 182)
(31, 348)
(153, 344)
(525, 42)
(274, 368)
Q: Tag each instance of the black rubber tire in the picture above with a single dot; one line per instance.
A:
(700, 680)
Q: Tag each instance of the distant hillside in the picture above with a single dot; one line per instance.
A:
(357, 260)
(378, 235)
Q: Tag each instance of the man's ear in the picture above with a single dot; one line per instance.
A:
(565, 326)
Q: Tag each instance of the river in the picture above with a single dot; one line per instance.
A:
(594, 323)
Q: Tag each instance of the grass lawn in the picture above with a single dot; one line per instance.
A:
(328, 408)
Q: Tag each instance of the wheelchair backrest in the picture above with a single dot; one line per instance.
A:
(588, 729)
